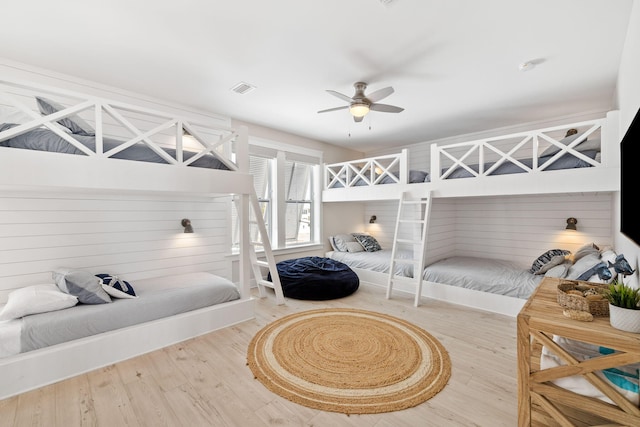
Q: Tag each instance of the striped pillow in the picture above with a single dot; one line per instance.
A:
(368, 242)
(546, 258)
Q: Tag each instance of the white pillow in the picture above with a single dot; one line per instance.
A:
(583, 265)
(589, 248)
(559, 270)
(36, 299)
(354, 247)
(340, 241)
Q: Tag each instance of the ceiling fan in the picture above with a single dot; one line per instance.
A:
(360, 104)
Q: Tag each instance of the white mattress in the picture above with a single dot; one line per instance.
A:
(484, 274)
(481, 274)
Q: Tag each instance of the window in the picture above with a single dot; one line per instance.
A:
(287, 185)
(299, 205)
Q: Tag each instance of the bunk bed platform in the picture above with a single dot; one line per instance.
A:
(500, 304)
(38, 368)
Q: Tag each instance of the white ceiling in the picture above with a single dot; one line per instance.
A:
(453, 63)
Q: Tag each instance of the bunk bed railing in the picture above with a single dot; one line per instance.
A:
(483, 157)
(126, 123)
(391, 168)
(529, 152)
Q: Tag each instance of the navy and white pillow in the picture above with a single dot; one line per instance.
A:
(549, 257)
(368, 242)
(116, 287)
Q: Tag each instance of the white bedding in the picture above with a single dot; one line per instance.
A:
(484, 274)
(481, 274)
(375, 261)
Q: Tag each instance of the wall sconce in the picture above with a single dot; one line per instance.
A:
(372, 220)
(186, 223)
(571, 224)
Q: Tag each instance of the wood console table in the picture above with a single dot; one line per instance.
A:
(542, 403)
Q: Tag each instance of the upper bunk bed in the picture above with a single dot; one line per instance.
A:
(576, 157)
(56, 138)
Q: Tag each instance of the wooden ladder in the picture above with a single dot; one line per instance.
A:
(257, 265)
(419, 224)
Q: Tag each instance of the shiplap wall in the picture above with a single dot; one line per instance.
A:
(517, 228)
(441, 236)
(134, 236)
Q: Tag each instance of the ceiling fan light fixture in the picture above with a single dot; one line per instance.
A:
(359, 109)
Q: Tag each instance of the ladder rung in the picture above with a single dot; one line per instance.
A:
(397, 278)
(414, 202)
(262, 263)
(257, 243)
(413, 221)
(406, 261)
(266, 283)
(408, 241)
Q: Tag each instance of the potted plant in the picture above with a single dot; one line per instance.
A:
(624, 306)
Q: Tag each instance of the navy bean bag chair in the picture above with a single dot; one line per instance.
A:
(316, 278)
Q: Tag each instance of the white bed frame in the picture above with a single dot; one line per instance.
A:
(501, 304)
(604, 176)
(28, 170)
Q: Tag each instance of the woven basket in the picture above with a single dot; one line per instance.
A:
(577, 302)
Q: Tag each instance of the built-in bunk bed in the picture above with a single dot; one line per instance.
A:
(574, 158)
(53, 139)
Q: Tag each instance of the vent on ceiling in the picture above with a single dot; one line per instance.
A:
(386, 2)
(243, 88)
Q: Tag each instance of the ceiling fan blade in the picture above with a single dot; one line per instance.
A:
(385, 108)
(339, 95)
(380, 94)
(334, 109)
(357, 119)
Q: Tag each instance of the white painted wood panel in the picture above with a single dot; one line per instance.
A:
(517, 228)
(135, 236)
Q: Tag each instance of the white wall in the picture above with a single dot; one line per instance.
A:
(628, 98)
(517, 228)
(133, 236)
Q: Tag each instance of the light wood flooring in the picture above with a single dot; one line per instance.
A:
(205, 381)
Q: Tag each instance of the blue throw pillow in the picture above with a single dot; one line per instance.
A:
(116, 287)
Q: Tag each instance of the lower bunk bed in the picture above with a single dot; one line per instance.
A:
(441, 281)
(46, 335)
(495, 285)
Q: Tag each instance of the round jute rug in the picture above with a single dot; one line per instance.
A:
(349, 361)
